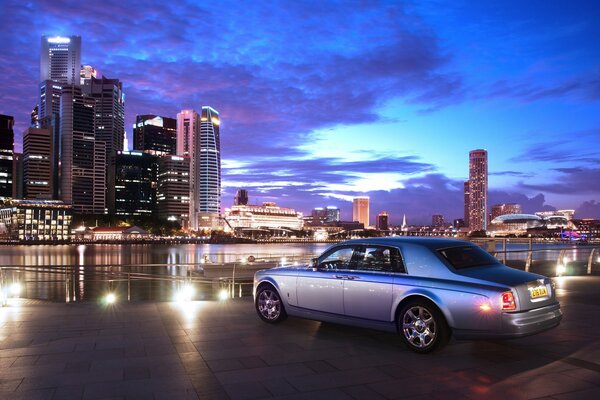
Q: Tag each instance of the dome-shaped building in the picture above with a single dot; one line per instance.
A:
(514, 224)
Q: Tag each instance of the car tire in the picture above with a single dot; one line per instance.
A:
(269, 305)
(422, 326)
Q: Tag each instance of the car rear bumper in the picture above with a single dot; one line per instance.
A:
(519, 324)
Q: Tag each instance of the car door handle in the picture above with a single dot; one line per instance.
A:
(350, 277)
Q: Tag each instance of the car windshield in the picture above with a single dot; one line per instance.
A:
(467, 257)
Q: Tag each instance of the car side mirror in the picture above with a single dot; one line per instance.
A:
(315, 262)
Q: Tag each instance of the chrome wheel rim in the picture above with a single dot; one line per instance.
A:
(269, 305)
(419, 327)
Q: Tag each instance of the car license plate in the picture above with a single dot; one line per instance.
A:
(539, 291)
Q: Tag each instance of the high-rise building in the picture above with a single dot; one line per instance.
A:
(17, 176)
(459, 223)
(360, 210)
(7, 149)
(188, 126)
(155, 135)
(60, 59)
(109, 125)
(241, 198)
(466, 204)
(38, 171)
(135, 183)
(437, 221)
(478, 190)
(208, 170)
(83, 158)
(173, 189)
(49, 98)
(322, 216)
(52, 123)
(383, 221)
(507, 208)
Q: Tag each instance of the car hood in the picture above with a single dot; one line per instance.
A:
(500, 274)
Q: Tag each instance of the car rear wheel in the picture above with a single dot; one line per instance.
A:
(422, 326)
(269, 305)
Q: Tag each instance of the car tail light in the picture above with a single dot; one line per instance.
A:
(507, 300)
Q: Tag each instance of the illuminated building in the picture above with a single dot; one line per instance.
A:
(60, 59)
(208, 171)
(36, 220)
(109, 233)
(322, 216)
(38, 171)
(188, 125)
(17, 176)
(49, 98)
(514, 224)
(135, 183)
(173, 189)
(383, 221)
(266, 216)
(109, 125)
(7, 138)
(478, 189)
(507, 208)
(360, 210)
(568, 214)
(155, 135)
(466, 204)
(83, 159)
(437, 221)
(241, 197)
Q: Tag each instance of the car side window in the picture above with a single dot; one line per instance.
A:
(338, 259)
(379, 259)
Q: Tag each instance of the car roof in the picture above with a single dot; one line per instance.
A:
(429, 242)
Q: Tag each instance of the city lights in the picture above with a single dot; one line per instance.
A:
(110, 298)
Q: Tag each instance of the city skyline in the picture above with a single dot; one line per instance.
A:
(418, 84)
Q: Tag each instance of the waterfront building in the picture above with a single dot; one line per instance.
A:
(265, 216)
(437, 221)
(466, 204)
(173, 189)
(7, 149)
(568, 214)
(135, 183)
(459, 223)
(117, 233)
(36, 220)
(208, 171)
(514, 224)
(241, 198)
(109, 125)
(506, 208)
(38, 170)
(60, 59)
(52, 123)
(478, 190)
(383, 221)
(155, 135)
(360, 210)
(17, 176)
(324, 216)
(188, 126)
(83, 159)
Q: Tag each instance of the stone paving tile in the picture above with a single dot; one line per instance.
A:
(337, 379)
(257, 374)
(330, 394)
(246, 391)
(278, 387)
(362, 393)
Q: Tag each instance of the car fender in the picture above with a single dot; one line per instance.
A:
(429, 295)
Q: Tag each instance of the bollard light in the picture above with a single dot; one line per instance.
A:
(223, 295)
(560, 269)
(110, 298)
(15, 289)
(186, 293)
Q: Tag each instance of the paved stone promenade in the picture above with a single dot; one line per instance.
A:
(220, 350)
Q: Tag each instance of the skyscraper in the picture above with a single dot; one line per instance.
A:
(383, 221)
(135, 183)
(173, 189)
(109, 125)
(241, 198)
(437, 220)
(83, 158)
(60, 59)
(466, 204)
(208, 170)
(38, 171)
(478, 190)
(155, 135)
(360, 210)
(188, 125)
(49, 98)
(7, 148)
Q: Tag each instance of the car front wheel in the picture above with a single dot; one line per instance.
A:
(269, 305)
(422, 326)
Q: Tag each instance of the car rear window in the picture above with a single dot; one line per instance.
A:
(467, 257)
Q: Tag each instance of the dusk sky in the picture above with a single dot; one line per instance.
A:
(321, 101)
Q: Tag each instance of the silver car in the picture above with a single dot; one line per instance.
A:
(423, 288)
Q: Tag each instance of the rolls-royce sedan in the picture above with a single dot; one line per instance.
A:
(425, 289)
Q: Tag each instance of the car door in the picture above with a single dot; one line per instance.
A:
(369, 284)
(321, 288)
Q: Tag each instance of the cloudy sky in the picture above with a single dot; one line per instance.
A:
(321, 101)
